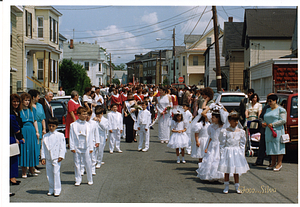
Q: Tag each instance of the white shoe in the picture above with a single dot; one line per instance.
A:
(90, 183)
(226, 187)
(120, 151)
(102, 163)
(183, 161)
(145, 150)
(36, 171)
(237, 185)
(111, 152)
(77, 184)
(98, 166)
(139, 150)
(178, 160)
(166, 142)
(162, 142)
(49, 194)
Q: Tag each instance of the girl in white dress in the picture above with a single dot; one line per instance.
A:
(199, 138)
(179, 138)
(232, 150)
(208, 167)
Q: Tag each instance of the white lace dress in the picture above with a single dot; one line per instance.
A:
(198, 152)
(232, 150)
(178, 140)
(208, 168)
(163, 120)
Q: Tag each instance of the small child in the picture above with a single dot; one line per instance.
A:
(115, 127)
(143, 122)
(179, 138)
(200, 138)
(81, 144)
(103, 126)
(208, 167)
(187, 117)
(52, 153)
(94, 130)
(232, 148)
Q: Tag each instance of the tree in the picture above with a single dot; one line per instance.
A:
(115, 81)
(119, 67)
(73, 77)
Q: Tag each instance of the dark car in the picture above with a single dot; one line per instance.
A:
(289, 101)
(60, 112)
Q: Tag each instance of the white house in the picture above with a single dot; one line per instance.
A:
(93, 58)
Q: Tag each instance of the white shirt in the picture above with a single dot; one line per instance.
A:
(53, 146)
(94, 131)
(97, 97)
(144, 118)
(115, 121)
(80, 136)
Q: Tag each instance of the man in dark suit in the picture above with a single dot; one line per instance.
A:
(47, 107)
(242, 107)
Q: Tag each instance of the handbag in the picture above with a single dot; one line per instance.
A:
(14, 149)
(285, 138)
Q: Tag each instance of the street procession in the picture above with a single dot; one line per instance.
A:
(189, 124)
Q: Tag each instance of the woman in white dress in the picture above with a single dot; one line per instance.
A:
(232, 148)
(253, 110)
(164, 101)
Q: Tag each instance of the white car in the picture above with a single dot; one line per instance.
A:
(230, 100)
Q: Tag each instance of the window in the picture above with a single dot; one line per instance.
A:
(53, 71)
(40, 69)
(87, 65)
(50, 29)
(28, 23)
(100, 67)
(40, 27)
(195, 60)
(100, 80)
(183, 61)
(54, 30)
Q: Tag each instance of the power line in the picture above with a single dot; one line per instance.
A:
(98, 7)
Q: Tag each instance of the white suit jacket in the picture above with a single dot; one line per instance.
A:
(187, 117)
(103, 127)
(74, 136)
(53, 146)
(144, 118)
(115, 120)
(94, 131)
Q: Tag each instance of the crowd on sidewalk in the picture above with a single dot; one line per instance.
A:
(188, 119)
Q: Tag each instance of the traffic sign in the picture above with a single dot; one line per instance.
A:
(180, 79)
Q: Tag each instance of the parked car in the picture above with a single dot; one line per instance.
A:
(179, 85)
(65, 99)
(289, 101)
(230, 100)
(60, 112)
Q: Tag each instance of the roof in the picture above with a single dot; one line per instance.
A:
(191, 38)
(269, 23)
(61, 37)
(179, 49)
(233, 35)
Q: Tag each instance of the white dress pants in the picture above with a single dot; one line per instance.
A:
(99, 152)
(53, 176)
(86, 159)
(114, 139)
(144, 135)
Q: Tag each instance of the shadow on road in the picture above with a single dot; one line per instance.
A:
(68, 182)
(37, 192)
(68, 172)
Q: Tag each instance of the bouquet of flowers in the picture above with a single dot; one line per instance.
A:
(138, 107)
(273, 132)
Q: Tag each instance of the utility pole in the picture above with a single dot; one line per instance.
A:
(174, 53)
(160, 72)
(110, 68)
(216, 34)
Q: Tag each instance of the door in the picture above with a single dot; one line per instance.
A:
(29, 70)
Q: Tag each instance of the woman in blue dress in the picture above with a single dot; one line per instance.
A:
(40, 118)
(275, 117)
(31, 134)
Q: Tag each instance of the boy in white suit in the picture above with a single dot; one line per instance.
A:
(103, 126)
(115, 128)
(187, 117)
(52, 153)
(96, 139)
(81, 144)
(143, 123)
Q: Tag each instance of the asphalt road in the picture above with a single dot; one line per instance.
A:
(155, 177)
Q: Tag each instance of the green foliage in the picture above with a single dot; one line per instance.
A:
(119, 67)
(115, 81)
(166, 81)
(73, 77)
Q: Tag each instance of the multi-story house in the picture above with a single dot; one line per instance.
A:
(267, 34)
(38, 40)
(169, 63)
(92, 57)
(15, 47)
(192, 60)
(233, 52)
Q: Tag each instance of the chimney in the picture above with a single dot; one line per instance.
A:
(230, 19)
(95, 42)
(71, 44)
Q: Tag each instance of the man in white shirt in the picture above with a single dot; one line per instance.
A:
(143, 123)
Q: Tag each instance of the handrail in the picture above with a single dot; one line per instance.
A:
(39, 84)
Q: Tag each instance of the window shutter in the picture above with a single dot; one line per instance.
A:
(26, 23)
(30, 25)
(50, 28)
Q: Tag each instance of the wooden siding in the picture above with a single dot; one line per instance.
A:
(236, 70)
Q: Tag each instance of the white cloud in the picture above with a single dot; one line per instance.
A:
(150, 19)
